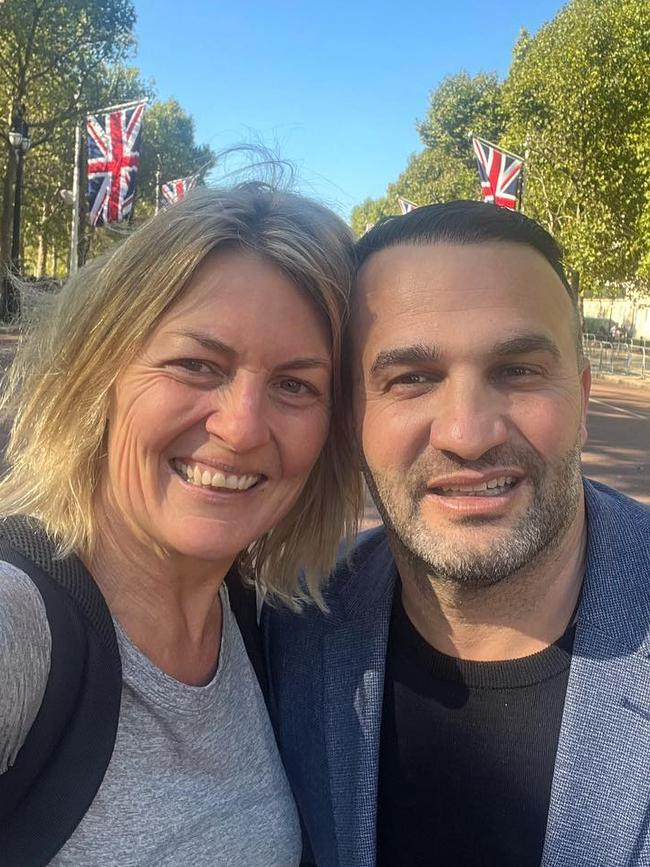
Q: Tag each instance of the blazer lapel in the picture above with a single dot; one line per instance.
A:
(355, 656)
(600, 801)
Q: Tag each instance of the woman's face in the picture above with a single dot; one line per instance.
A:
(217, 423)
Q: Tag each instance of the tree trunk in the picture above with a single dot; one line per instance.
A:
(7, 209)
(41, 258)
(42, 255)
(8, 307)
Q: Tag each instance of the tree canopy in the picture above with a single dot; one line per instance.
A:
(577, 102)
(60, 61)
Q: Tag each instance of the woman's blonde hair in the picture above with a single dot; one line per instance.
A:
(59, 386)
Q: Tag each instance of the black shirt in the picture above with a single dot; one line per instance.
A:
(467, 753)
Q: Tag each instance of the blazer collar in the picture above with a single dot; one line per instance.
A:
(600, 798)
(355, 657)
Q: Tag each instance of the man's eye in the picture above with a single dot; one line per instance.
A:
(519, 371)
(411, 379)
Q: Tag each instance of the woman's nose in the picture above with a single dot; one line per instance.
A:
(238, 417)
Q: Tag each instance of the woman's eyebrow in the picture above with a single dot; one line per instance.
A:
(306, 363)
(213, 344)
(207, 342)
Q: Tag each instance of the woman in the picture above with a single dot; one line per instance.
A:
(178, 418)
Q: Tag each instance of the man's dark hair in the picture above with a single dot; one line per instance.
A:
(467, 222)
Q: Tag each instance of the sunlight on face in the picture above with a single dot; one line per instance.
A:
(470, 404)
(215, 426)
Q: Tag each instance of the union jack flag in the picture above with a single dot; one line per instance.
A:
(113, 160)
(405, 206)
(500, 173)
(174, 191)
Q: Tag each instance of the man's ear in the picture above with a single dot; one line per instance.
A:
(585, 387)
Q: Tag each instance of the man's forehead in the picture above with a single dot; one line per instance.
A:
(448, 276)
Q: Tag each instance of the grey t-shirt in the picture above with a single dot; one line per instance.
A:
(195, 777)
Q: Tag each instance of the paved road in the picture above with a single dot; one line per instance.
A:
(618, 450)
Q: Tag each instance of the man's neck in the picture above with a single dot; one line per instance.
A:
(517, 617)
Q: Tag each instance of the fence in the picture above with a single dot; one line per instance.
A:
(626, 358)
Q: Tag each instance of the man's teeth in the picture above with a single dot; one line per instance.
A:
(494, 486)
(204, 478)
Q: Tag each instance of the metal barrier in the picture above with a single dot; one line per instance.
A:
(626, 358)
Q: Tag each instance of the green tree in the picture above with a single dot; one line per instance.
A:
(369, 212)
(445, 169)
(46, 219)
(169, 146)
(577, 99)
(462, 106)
(49, 52)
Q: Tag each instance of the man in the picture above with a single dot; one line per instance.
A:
(479, 691)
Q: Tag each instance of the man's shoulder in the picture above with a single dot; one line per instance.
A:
(617, 584)
(363, 575)
(368, 556)
(613, 514)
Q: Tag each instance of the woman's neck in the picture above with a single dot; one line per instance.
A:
(167, 604)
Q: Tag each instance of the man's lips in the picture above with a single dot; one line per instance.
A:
(496, 482)
(475, 494)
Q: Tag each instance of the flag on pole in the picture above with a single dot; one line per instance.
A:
(175, 191)
(113, 161)
(500, 173)
(405, 206)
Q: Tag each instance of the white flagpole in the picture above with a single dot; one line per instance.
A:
(121, 107)
(157, 190)
(74, 234)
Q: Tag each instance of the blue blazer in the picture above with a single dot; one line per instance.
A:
(326, 689)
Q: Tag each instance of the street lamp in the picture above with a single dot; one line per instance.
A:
(20, 142)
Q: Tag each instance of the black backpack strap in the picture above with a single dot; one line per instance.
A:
(60, 767)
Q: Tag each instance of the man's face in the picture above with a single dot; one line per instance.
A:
(471, 404)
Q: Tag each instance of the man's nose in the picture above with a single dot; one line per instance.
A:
(239, 415)
(469, 419)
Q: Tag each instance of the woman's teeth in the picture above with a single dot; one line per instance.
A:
(493, 488)
(205, 479)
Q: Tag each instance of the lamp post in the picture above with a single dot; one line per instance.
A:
(20, 142)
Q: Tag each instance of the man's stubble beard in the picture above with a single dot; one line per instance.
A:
(534, 536)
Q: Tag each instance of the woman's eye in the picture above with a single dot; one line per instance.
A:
(295, 387)
(407, 380)
(193, 365)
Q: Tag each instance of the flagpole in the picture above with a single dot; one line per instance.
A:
(497, 147)
(120, 107)
(520, 191)
(157, 183)
(74, 233)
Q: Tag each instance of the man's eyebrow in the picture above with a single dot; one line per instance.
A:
(418, 353)
(523, 344)
(213, 344)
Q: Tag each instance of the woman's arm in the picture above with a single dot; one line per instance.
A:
(25, 647)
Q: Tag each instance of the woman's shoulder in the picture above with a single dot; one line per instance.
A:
(25, 648)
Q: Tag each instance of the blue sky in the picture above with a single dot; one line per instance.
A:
(335, 87)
